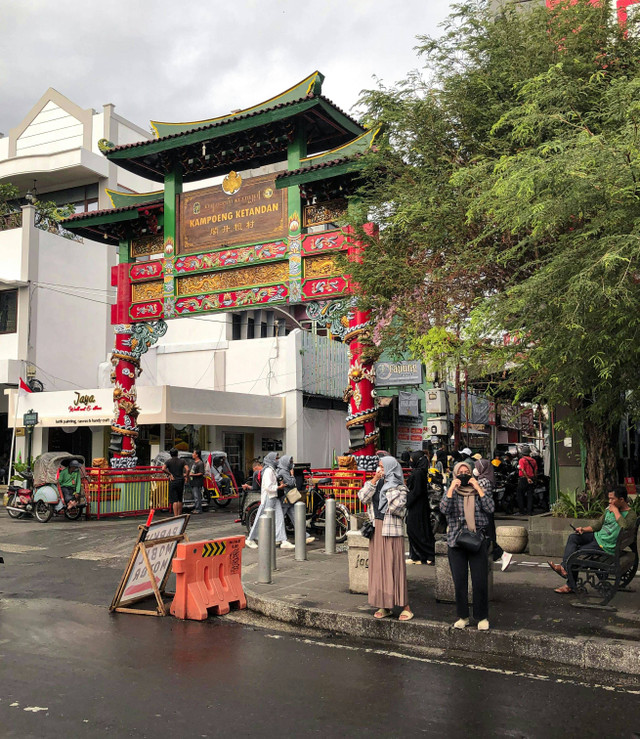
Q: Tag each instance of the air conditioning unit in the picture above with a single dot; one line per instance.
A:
(436, 400)
(437, 427)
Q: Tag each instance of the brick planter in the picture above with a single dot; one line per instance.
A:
(548, 535)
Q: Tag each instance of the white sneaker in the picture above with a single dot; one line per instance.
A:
(506, 560)
(287, 545)
(483, 625)
(461, 623)
(310, 539)
(251, 544)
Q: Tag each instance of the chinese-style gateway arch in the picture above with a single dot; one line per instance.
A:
(243, 244)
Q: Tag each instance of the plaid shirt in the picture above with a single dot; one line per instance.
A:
(453, 509)
(391, 525)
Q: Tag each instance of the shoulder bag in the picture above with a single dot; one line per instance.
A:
(367, 530)
(293, 496)
(471, 541)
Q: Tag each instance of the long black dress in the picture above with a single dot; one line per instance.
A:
(421, 539)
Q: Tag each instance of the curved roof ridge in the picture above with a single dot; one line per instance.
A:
(121, 199)
(311, 85)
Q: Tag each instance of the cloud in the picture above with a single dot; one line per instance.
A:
(186, 60)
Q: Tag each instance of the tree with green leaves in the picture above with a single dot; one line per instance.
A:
(506, 188)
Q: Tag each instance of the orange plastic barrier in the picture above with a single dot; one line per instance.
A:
(208, 576)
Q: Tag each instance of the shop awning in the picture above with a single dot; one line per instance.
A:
(162, 404)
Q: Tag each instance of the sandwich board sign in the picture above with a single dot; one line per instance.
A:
(149, 566)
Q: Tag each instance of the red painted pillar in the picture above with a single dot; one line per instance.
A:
(362, 410)
(124, 427)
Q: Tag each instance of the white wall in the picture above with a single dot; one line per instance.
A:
(69, 324)
(323, 433)
(53, 129)
(11, 254)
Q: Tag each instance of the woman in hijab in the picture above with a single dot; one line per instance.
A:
(483, 472)
(268, 500)
(467, 507)
(385, 498)
(284, 472)
(421, 540)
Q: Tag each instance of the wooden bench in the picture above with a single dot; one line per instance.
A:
(599, 575)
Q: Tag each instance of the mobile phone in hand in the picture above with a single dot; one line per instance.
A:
(573, 527)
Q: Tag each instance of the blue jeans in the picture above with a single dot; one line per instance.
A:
(197, 497)
(269, 503)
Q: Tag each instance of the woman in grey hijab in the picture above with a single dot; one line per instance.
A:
(385, 496)
(268, 500)
(285, 475)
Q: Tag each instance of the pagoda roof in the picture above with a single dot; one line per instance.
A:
(112, 225)
(247, 139)
(335, 163)
(121, 199)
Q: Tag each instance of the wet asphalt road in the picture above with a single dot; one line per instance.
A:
(70, 669)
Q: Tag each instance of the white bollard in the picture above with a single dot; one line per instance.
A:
(271, 515)
(300, 518)
(265, 545)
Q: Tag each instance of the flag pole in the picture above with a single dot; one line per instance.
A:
(13, 438)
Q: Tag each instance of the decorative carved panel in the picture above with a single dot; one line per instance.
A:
(328, 212)
(262, 274)
(146, 245)
(146, 291)
(323, 266)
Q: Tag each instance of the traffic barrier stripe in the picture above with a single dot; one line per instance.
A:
(214, 548)
(208, 577)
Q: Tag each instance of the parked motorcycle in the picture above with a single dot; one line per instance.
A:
(506, 485)
(315, 517)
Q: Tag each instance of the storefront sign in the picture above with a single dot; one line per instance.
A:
(492, 413)
(390, 374)
(30, 419)
(236, 212)
(409, 437)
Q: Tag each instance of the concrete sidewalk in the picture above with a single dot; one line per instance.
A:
(528, 619)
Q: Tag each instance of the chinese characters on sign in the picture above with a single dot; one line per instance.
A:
(211, 218)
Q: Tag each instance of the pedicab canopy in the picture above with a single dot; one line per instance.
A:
(245, 242)
(46, 466)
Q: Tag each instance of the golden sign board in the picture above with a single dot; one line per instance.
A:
(247, 212)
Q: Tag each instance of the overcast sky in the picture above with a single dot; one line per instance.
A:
(183, 60)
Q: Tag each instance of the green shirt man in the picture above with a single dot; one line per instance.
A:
(70, 482)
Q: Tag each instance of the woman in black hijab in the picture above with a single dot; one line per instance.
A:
(421, 540)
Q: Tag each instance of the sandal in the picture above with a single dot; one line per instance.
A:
(564, 590)
(406, 615)
(382, 613)
(559, 569)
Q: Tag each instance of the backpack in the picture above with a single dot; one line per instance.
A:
(528, 467)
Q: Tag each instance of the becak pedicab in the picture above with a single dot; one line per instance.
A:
(219, 481)
(58, 488)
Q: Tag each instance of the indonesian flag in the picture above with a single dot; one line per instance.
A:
(23, 388)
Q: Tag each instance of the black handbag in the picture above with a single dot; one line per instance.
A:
(471, 541)
(367, 530)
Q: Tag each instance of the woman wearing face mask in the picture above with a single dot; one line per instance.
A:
(385, 496)
(466, 507)
(421, 541)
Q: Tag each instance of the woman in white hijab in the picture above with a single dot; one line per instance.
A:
(386, 498)
(268, 500)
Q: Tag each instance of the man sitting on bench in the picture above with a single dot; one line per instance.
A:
(602, 536)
